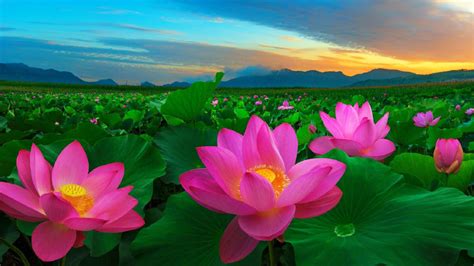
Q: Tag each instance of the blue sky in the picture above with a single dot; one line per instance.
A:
(163, 41)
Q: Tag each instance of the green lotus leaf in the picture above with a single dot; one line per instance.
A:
(178, 146)
(380, 220)
(187, 234)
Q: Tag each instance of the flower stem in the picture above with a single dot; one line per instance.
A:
(446, 178)
(271, 253)
(63, 261)
(17, 251)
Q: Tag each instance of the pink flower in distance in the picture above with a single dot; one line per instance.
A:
(458, 107)
(448, 155)
(355, 132)
(258, 103)
(94, 120)
(470, 111)
(68, 200)
(285, 106)
(255, 177)
(215, 102)
(312, 129)
(425, 119)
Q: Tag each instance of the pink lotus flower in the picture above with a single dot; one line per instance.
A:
(258, 103)
(225, 99)
(94, 120)
(458, 107)
(255, 177)
(425, 119)
(68, 200)
(448, 155)
(312, 129)
(215, 102)
(285, 106)
(469, 111)
(355, 132)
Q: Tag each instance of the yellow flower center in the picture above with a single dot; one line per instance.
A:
(276, 177)
(77, 196)
(267, 173)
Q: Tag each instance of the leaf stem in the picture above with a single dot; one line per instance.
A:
(271, 253)
(17, 251)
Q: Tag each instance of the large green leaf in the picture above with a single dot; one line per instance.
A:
(405, 133)
(379, 220)
(189, 103)
(143, 163)
(188, 234)
(178, 146)
(101, 243)
(135, 115)
(9, 152)
(464, 177)
(419, 167)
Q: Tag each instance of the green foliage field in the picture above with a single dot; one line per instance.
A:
(403, 211)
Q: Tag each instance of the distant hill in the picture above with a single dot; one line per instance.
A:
(290, 78)
(455, 75)
(109, 82)
(380, 73)
(178, 84)
(315, 79)
(22, 72)
(312, 78)
(147, 84)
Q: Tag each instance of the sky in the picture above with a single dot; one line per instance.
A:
(165, 41)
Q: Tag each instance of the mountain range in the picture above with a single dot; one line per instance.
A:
(312, 78)
(279, 78)
(22, 72)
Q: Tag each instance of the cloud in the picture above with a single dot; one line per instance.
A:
(214, 56)
(290, 38)
(113, 11)
(275, 47)
(2, 28)
(143, 29)
(418, 30)
(216, 20)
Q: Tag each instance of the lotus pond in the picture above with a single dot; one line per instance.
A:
(206, 176)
